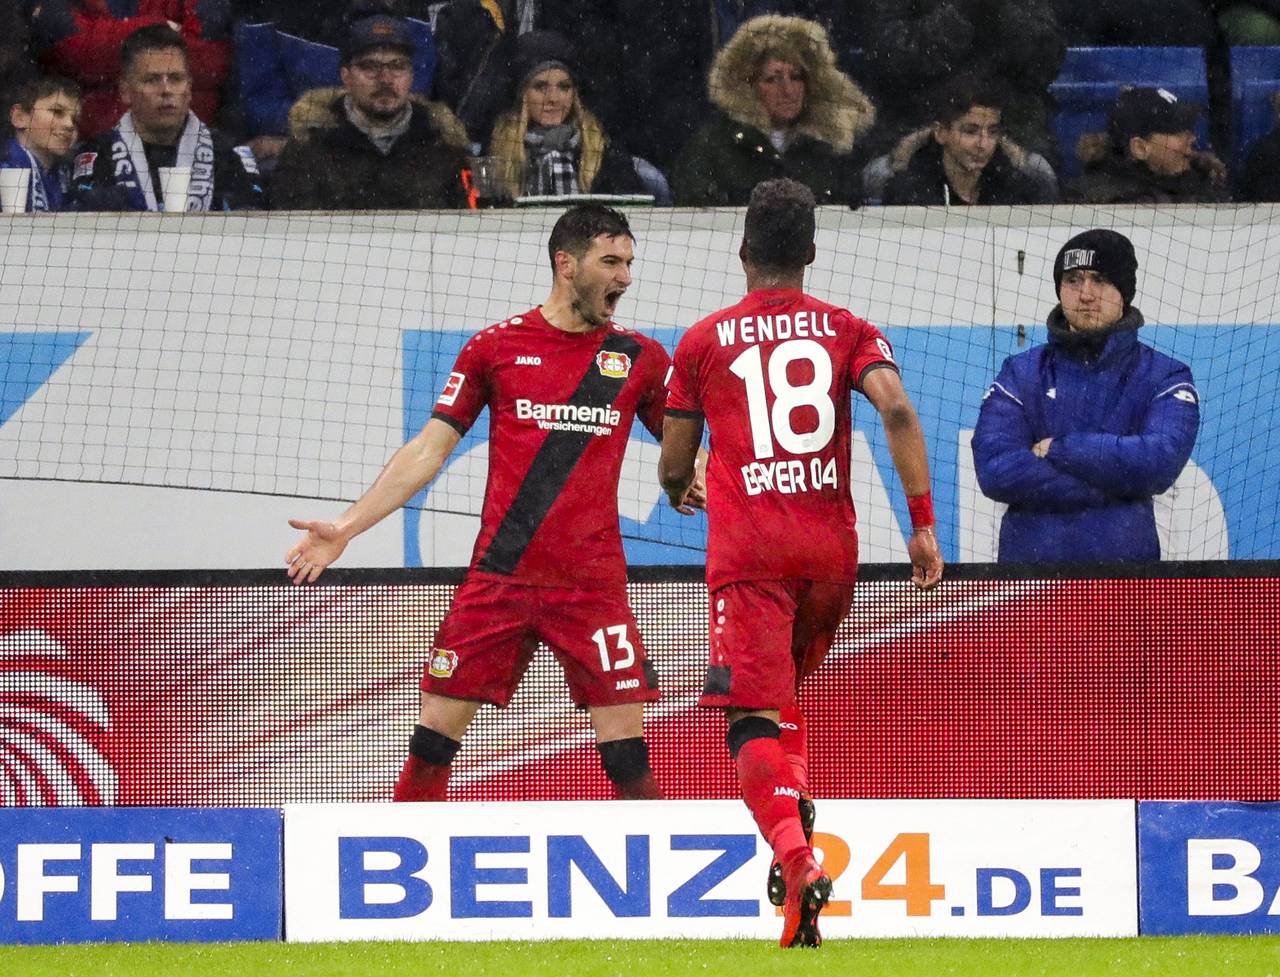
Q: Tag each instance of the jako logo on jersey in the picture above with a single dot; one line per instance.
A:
(626, 683)
(528, 361)
(443, 662)
(527, 410)
(786, 792)
(616, 365)
(452, 387)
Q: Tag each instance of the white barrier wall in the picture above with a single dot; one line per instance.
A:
(696, 869)
(178, 386)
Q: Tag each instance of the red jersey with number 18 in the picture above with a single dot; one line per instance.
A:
(772, 375)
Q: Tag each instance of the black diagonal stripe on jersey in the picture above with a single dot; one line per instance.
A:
(553, 464)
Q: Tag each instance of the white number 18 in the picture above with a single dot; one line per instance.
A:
(765, 429)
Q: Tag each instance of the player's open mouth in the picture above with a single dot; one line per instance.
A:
(611, 298)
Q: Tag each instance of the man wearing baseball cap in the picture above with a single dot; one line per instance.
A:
(370, 146)
(1078, 435)
(1148, 154)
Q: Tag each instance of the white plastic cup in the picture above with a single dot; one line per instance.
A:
(174, 182)
(14, 184)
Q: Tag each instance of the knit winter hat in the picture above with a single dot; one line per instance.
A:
(1106, 252)
(536, 51)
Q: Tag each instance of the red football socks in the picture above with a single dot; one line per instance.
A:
(421, 781)
(793, 738)
(772, 796)
(642, 788)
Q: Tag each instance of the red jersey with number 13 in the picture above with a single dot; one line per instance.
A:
(772, 375)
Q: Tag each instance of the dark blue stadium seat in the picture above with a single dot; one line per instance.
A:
(1255, 75)
(1092, 77)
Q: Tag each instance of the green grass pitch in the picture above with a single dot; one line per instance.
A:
(1163, 956)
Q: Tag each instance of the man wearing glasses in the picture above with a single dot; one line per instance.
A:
(371, 146)
(964, 157)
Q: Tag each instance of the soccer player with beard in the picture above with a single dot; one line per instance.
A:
(771, 377)
(562, 384)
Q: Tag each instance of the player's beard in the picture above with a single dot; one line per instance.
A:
(594, 313)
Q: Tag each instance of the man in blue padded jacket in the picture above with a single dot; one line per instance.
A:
(1079, 434)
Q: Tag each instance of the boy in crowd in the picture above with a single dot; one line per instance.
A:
(964, 157)
(45, 120)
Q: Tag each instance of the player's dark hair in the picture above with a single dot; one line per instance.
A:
(153, 37)
(962, 93)
(583, 223)
(780, 225)
(37, 88)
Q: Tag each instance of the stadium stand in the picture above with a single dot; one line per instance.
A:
(1255, 77)
(1092, 77)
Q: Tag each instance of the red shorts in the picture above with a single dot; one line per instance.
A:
(767, 636)
(487, 640)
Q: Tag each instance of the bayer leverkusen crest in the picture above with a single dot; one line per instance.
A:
(616, 365)
(443, 662)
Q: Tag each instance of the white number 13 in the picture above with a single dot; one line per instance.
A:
(619, 633)
(787, 397)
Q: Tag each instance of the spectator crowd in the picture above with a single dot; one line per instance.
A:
(389, 104)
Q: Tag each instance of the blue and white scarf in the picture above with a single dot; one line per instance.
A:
(195, 149)
(45, 194)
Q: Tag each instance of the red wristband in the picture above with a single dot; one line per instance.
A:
(921, 509)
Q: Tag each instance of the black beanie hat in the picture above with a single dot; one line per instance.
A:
(537, 51)
(1106, 252)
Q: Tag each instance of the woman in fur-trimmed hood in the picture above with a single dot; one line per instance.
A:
(783, 108)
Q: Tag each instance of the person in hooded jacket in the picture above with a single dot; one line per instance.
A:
(783, 110)
(372, 144)
(964, 157)
(912, 47)
(1148, 155)
(1078, 435)
(284, 49)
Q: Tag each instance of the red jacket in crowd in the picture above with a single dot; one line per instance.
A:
(81, 40)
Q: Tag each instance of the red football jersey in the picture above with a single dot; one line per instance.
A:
(560, 411)
(772, 377)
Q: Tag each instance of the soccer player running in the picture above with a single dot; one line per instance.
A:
(771, 376)
(562, 384)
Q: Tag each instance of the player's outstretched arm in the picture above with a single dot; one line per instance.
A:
(906, 444)
(677, 467)
(408, 471)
